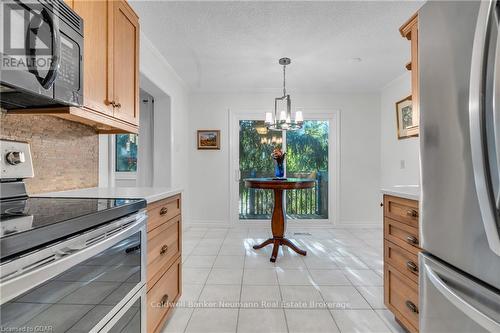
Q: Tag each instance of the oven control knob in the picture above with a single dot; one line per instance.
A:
(15, 157)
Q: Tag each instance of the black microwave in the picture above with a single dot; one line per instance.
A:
(41, 55)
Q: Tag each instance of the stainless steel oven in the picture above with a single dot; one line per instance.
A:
(91, 282)
(41, 53)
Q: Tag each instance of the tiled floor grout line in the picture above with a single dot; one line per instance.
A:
(241, 289)
(303, 266)
(192, 312)
(323, 298)
(282, 300)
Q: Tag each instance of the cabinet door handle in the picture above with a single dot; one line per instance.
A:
(113, 103)
(412, 239)
(163, 211)
(164, 249)
(118, 105)
(164, 300)
(410, 305)
(412, 213)
(412, 266)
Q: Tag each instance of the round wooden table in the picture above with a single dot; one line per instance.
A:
(278, 221)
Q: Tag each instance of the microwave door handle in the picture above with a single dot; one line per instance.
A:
(56, 51)
(487, 204)
(460, 302)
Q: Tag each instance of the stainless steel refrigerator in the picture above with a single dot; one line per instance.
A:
(459, 54)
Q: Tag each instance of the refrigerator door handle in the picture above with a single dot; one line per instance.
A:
(487, 202)
(496, 110)
(467, 308)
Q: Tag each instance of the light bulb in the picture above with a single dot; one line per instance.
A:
(299, 118)
(269, 118)
(282, 115)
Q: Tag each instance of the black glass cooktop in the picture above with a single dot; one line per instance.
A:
(28, 223)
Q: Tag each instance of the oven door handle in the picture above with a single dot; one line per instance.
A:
(64, 260)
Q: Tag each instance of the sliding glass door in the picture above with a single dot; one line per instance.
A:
(307, 157)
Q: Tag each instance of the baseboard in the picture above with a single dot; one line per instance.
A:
(360, 224)
(199, 223)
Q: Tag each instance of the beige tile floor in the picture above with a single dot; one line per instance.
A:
(230, 287)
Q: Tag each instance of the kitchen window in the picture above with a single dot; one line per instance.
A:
(126, 153)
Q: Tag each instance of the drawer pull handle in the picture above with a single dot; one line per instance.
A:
(412, 266)
(412, 239)
(163, 211)
(412, 213)
(164, 249)
(413, 308)
(164, 300)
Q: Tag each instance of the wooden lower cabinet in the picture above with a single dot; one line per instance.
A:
(161, 297)
(401, 297)
(164, 266)
(401, 268)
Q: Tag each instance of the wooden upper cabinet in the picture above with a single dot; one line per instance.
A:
(110, 68)
(409, 30)
(124, 37)
(95, 54)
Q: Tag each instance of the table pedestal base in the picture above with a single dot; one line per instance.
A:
(277, 242)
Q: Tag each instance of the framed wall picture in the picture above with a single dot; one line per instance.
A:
(407, 119)
(208, 139)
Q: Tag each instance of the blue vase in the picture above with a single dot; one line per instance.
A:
(279, 170)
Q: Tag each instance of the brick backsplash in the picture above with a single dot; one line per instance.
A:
(65, 153)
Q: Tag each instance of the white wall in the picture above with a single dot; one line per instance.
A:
(394, 151)
(209, 172)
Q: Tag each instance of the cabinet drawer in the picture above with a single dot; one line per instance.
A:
(402, 234)
(162, 211)
(162, 296)
(163, 246)
(401, 297)
(401, 209)
(404, 261)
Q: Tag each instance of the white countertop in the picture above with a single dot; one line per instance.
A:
(151, 194)
(411, 192)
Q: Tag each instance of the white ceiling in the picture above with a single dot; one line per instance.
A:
(235, 46)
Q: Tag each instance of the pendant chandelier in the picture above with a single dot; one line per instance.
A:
(282, 119)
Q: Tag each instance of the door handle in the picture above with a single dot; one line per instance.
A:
(164, 300)
(496, 111)
(412, 213)
(412, 239)
(51, 76)
(477, 89)
(457, 300)
(412, 266)
(410, 305)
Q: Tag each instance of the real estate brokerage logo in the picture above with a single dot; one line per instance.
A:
(26, 37)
